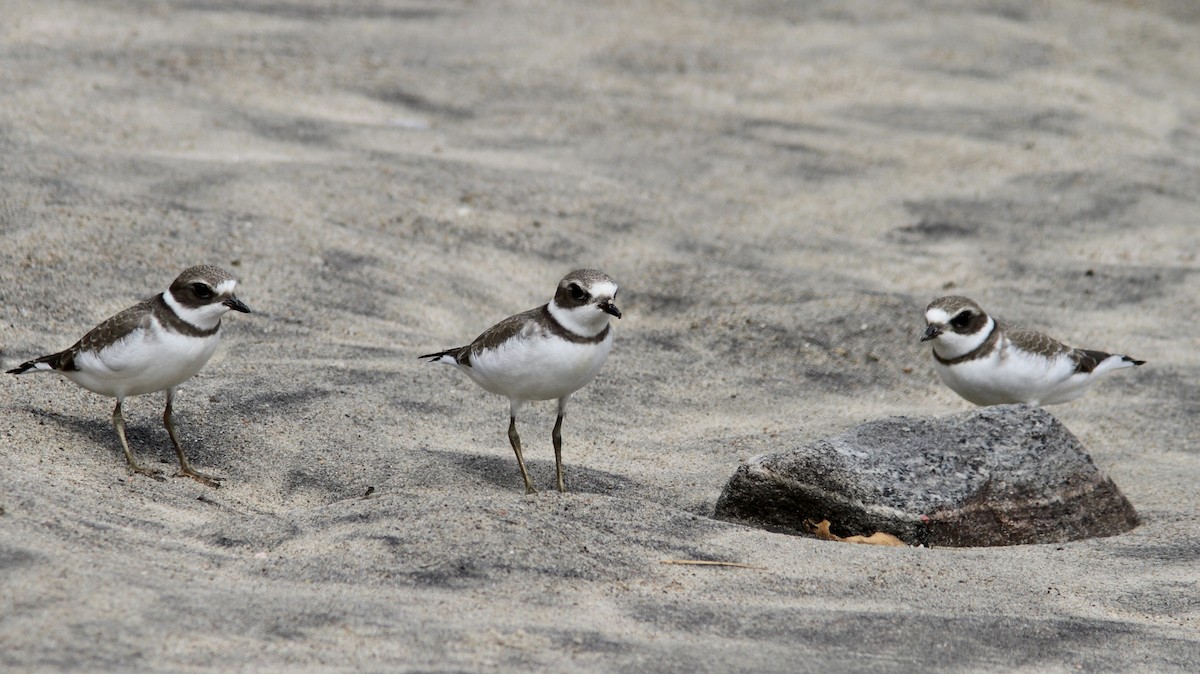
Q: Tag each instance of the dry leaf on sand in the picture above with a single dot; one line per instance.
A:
(821, 530)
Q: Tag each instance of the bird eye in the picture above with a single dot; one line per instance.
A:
(962, 319)
(578, 294)
(202, 290)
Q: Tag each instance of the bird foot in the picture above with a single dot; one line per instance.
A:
(152, 473)
(204, 479)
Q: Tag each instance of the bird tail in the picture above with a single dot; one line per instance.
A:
(1096, 362)
(453, 356)
(43, 364)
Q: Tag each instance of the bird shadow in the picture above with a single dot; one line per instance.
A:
(147, 440)
(503, 473)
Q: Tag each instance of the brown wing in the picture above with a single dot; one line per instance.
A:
(502, 331)
(104, 334)
(1086, 360)
(492, 337)
(1036, 342)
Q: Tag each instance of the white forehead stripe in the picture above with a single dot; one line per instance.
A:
(604, 289)
(937, 315)
(226, 287)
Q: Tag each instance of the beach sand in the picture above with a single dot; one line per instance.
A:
(779, 188)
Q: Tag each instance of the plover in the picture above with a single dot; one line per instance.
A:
(543, 354)
(991, 363)
(155, 345)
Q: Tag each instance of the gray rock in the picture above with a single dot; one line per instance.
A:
(1003, 475)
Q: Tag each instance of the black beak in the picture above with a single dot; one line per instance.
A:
(610, 308)
(931, 332)
(237, 305)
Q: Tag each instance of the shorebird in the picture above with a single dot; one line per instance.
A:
(991, 363)
(155, 345)
(545, 353)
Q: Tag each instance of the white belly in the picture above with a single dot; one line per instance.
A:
(148, 360)
(1007, 376)
(539, 367)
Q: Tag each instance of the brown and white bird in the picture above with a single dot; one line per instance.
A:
(543, 354)
(155, 345)
(991, 363)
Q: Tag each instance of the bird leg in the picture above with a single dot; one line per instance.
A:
(134, 468)
(556, 435)
(185, 469)
(515, 440)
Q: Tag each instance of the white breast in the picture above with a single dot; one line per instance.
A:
(149, 359)
(1008, 375)
(538, 366)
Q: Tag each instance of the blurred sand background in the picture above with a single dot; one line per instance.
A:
(779, 187)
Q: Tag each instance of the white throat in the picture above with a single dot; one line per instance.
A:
(950, 344)
(585, 321)
(206, 317)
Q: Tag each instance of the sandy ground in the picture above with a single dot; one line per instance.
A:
(779, 188)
